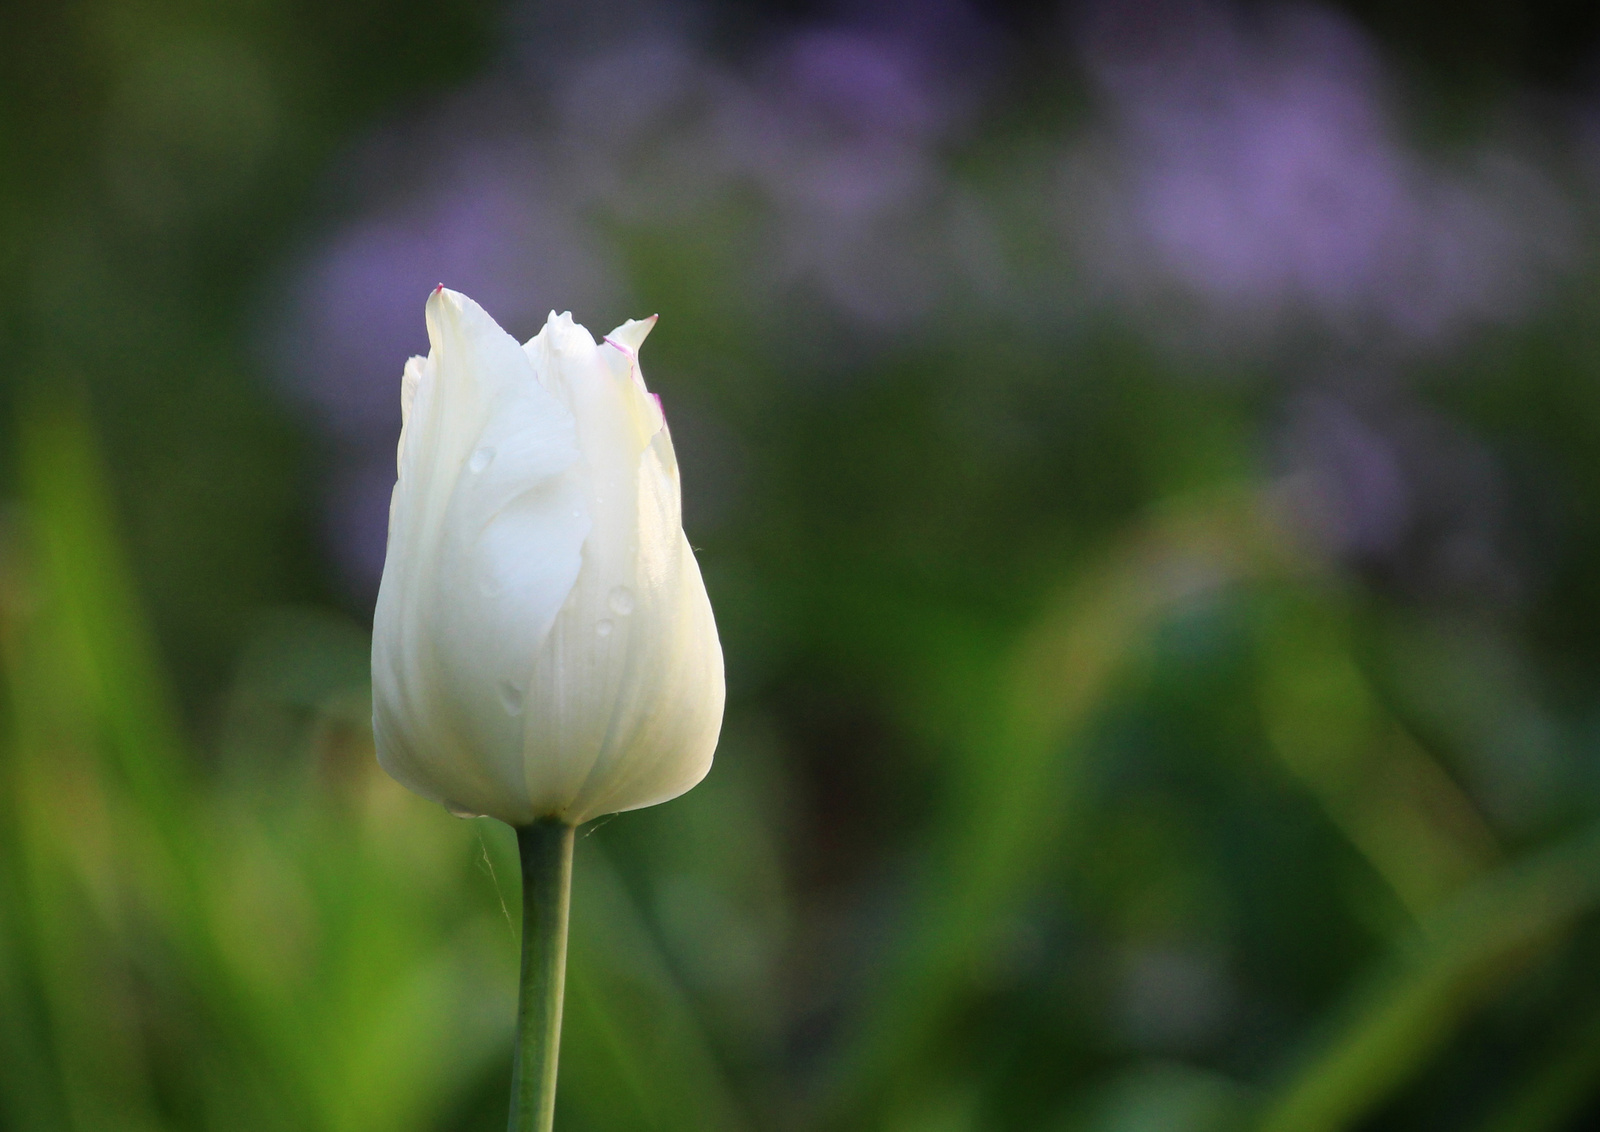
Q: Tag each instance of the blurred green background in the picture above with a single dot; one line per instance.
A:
(1143, 458)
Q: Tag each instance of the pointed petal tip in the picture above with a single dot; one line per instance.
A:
(441, 295)
(631, 334)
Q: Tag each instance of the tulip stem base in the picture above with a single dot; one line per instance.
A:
(546, 850)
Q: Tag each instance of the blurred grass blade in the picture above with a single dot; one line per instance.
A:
(107, 858)
(634, 1055)
(1015, 795)
(1460, 956)
(103, 644)
(81, 680)
(30, 1087)
(1562, 1084)
(1386, 795)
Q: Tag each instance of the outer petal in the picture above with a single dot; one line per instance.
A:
(665, 718)
(409, 380)
(485, 535)
(630, 679)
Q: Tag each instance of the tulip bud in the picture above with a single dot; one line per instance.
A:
(543, 646)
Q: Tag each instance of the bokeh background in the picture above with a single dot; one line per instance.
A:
(1145, 459)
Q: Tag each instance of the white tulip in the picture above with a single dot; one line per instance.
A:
(543, 646)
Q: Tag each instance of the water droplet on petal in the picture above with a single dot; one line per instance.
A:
(458, 812)
(511, 697)
(604, 628)
(621, 600)
(481, 459)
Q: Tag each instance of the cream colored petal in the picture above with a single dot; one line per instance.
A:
(625, 341)
(633, 671)
(631, 334)
(664, 724)
(409, 381)
(485, 539)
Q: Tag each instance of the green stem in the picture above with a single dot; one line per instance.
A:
(546, 849)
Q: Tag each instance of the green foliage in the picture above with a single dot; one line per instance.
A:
(1063, 787)
(293, 941)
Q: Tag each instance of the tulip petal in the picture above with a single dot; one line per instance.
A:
(631, 334)
(666, 710)
(409, 380)
(485, 544)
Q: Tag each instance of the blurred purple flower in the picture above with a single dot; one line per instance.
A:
(1264, 174)
(481, 220)
(1398, 490)
(843, 139)
(835, 127)
(357, 314)
(642, 130)
(1348, 489)
(843, 129)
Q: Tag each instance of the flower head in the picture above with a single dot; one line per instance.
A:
(543, 644)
